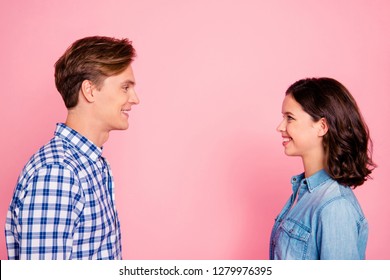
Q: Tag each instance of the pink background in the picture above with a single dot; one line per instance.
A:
(201, 173)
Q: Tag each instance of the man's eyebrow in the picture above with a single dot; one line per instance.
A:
(128, 82)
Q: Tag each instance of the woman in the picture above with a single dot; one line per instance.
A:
(323, 219)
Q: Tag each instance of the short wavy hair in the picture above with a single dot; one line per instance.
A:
(347, 144)
(91, 58)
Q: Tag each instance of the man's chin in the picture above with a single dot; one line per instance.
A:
(122, 126)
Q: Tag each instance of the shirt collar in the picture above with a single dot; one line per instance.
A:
(317, 179)
(312, 182)
(81, 143)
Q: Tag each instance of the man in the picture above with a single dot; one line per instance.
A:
(63, 206)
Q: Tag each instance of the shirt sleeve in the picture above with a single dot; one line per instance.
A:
(338, 232)
(48, 213)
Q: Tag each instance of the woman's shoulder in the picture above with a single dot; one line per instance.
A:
(338, 198)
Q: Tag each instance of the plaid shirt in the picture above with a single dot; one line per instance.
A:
(63, 206)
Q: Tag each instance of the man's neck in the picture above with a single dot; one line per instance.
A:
(87, 128)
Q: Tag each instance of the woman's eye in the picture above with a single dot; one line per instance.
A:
(289, 118)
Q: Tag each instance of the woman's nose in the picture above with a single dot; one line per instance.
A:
(281, 127)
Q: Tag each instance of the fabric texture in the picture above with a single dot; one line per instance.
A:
(321, 220)
(64, 205)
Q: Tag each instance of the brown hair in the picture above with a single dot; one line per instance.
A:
(347, 144)
(91, 58)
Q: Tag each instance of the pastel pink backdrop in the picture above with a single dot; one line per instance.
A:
(201, 173)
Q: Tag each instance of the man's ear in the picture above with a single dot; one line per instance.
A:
(87, 90)
(322, 127)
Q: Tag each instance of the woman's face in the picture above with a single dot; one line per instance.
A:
(301, 135)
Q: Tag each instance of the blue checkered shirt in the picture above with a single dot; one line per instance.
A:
(63, 206)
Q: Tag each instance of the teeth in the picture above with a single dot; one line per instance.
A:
(287, 139)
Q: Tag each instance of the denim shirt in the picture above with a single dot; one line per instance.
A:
(326, 222)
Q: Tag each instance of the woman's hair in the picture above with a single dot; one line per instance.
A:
(91, 58)
(347, 144)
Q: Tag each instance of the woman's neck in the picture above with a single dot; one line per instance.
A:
(313, 165)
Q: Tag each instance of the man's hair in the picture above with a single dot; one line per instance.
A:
(91, 58)
(347, 144)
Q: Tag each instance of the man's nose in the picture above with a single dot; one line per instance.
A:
(134, 98)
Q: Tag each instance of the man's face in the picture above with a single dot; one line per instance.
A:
(114, 101)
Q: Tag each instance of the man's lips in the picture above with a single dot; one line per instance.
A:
(126, 111)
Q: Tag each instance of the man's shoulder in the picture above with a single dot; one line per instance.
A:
(56, 152)
(58, 161)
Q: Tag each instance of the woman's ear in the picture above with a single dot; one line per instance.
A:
(322, 127)
(87, 90)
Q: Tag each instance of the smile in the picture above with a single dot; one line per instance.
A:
(286, 140)
(125, 112)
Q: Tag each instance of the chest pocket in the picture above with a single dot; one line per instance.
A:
(295, 239)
